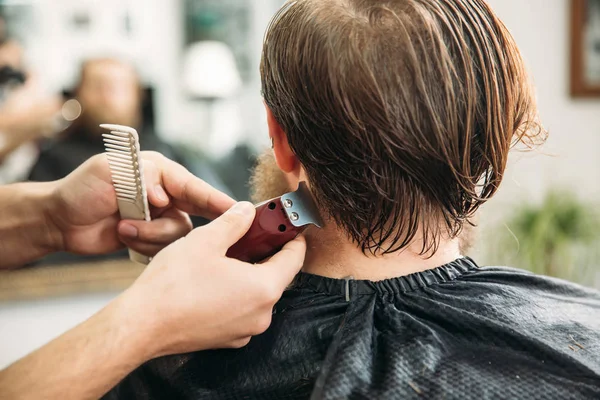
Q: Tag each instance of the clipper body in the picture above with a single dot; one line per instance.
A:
(277, 221)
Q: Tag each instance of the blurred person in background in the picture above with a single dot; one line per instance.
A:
(26, 113)
(109, 92)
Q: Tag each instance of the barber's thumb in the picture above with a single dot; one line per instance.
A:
(284, 265)
(232, 225)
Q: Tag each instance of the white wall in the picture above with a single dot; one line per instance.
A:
(571, 157)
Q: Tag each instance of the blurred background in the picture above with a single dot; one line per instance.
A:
(185, 74)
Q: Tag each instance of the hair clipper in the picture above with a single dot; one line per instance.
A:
(277, 221)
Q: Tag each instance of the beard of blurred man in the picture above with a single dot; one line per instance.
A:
(267, 180)
(109, 93)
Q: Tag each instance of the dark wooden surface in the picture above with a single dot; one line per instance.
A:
(64, 280)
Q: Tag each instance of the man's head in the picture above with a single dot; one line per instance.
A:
(399, 113)
(109, 92)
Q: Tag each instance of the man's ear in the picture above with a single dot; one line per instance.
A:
(284, 156)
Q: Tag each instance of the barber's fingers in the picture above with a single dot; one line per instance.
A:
(197, 197)
(238, 343)
(172, 225)
(151, 249)
(154, 186)
(226, 230)
(188, 192)
(283, 266)
(150, 237)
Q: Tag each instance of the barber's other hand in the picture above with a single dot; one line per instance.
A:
(192, 297)
(83, 207)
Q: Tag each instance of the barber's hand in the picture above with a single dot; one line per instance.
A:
(192, 297)
(29, 113)
(84, 207)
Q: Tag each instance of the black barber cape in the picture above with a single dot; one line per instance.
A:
(455, 332)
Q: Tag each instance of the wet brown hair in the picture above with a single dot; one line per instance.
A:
(402, 112)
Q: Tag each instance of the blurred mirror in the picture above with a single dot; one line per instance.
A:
(185, 74)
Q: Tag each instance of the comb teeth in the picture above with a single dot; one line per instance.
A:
(122, 149)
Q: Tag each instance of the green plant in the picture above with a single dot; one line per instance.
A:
(559, 237)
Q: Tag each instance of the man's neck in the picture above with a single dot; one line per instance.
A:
(330, 253)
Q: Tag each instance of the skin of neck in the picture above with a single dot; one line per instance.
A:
(332, 254)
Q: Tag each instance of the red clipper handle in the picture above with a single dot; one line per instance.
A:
(277, 222)
(269, 232)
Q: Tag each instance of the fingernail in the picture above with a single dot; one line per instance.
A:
(129, 231)
(242, 208)
(160, 193)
